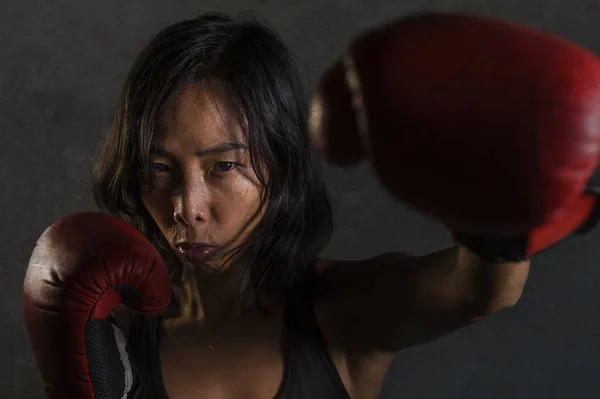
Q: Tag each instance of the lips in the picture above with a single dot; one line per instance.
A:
(195, 252)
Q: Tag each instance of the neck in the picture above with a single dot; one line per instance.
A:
(216, 298)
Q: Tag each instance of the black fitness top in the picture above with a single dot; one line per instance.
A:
(310, 372)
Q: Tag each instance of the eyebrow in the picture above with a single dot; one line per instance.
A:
(217, 149)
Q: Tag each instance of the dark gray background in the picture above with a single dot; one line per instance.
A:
(61, 64)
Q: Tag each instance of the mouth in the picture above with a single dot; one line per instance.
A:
(195, 252)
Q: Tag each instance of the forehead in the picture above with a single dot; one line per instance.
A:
(202, 112)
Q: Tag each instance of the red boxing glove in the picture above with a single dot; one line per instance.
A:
(488, 126)
(82, 268)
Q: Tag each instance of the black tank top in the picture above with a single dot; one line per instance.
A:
(310, 372)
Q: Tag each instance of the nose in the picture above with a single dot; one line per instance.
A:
(191, 203)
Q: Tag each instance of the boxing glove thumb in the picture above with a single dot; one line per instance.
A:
(81, 269)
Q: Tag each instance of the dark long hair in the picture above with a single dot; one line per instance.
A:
(260, 75)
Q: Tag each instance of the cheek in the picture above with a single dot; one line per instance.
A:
(241, 199)
(160, 208)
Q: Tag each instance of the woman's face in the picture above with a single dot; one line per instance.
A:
(205, 196)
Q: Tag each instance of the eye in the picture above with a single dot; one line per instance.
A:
(160, 167)
(221, 167)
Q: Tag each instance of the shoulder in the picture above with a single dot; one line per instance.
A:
(338, 277)
(340, 283)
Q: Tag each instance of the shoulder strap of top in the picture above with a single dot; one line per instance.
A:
(311, 369)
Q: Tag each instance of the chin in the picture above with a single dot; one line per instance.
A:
(213, 268)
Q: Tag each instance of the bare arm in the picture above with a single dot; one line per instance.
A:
(394, 301)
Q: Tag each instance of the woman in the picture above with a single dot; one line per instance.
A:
(209, 158)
